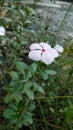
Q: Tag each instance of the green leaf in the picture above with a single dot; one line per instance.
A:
(7, 20)
(50, 72)
(41, 90)
(33, 67)
(27, 22)
(27, 119)
(20, 106)
(17, 97)
(14, 75)
(43, 75)
(30, 11)
(9, 98)
(28, 85)
(9, 113)
(38, 88)
(31, 107)
(21, 66)
(29, 93)
(29, 75)
(69, 113)
(22, 12)
(8, 88)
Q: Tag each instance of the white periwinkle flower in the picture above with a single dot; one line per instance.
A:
(42, 52)
(59, 48)
(2, 31)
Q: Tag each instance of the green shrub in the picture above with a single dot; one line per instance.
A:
(34, 96)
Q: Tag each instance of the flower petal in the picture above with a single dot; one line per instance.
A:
(45, 45)
(53, 52)
(2, 31)
(35, 55)
(59, 48)
(47, 58)
(35, 46)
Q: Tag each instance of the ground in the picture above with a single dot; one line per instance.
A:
(56, 13)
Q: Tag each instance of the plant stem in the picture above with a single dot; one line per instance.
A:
(56, 97)
(42, 112)
(63, 22)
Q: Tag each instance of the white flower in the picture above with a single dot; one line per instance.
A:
(2, 31)
(42, 52)
(59, 48)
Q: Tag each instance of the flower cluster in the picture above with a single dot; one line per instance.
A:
(2, 31)
(44, 52)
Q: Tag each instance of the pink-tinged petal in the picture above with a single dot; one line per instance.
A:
(45, 45)
(47, 58)
(35, 46)
(59, 48)
(53, 52)
(35, 55)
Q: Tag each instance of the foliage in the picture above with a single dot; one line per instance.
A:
(33, 95)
